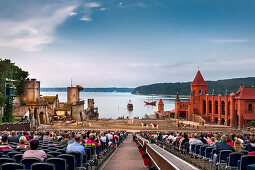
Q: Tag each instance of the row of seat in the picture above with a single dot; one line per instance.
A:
(57, 156)
(202, 154)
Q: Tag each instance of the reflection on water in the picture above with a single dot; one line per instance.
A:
(113, 105)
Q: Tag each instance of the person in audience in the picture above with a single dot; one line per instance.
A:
(76, 146)
(65, 140)
(54, 137)
(47, 137)
(184, 140)
(102, 136)
(238, 145)
(213, 142)
(22, 142)
(229, 140)
(13, 137)
(218, 138)
(195, 140)
(26, 135)
(250, 147)
(34, 152)
(4, 145)
(219, 147)
(71, 141)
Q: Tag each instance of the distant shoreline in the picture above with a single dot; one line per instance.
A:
(112, 89)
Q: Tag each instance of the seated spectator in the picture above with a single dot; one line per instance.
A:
(221, 146)
(22, 142)
(13, 137)
(47, 137)
(26, 135)
(183, 141)
(65, 140)
(54, 137)
(213, 142)
(102, 136)
(195, 140)
(4, 145)
(71, 141)
(229, 141)
(250, 147)
(34, 152)
(238, 145)
(76, 146)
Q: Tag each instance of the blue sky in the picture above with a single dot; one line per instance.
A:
(126, 43)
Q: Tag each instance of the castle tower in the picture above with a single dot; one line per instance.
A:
(198, 93)
(91, 104)
(161, 106)
(31, 91)
(77, 105)
(73, 94)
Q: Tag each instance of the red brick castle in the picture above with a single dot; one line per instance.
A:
(235, 110)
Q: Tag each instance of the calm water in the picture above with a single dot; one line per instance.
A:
(113, 105)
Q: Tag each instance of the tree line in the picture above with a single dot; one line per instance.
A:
(219, 87)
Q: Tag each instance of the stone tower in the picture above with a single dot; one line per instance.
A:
(73, 97)
(90, 104)
(31, 91)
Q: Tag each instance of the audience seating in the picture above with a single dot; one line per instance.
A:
(6, 160)
(70, 160)
(233, 159)
(12, 166)
(18, 157)
(57, 158)
(42, 166)
(60, 163)
(29, 161)
(245, 161)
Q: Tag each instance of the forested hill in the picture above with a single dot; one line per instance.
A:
(219, 87)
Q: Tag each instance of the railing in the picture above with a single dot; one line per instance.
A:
(165, 160)
(23, 126)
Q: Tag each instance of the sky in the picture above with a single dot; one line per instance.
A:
(128, 43)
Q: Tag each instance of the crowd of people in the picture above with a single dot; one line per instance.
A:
(72, 141)
(218, 140)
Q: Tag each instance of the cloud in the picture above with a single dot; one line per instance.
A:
(85, 19)
(229, 40)
(73, 13)
(102, 9)
(93, 4)
(35, 28)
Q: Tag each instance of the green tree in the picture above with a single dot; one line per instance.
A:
(14, 75)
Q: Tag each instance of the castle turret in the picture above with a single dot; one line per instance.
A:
(161, 106)
(198, 92)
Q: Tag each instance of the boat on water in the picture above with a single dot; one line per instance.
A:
(130, 106)
(150, 102)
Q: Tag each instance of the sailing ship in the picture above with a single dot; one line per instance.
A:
(130, 106)
(152, 102)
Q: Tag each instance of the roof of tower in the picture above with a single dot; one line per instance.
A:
(199, 79)
(245, 93)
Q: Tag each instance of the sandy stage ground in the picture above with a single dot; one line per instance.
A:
(136, 125)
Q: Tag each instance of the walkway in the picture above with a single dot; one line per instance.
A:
(126, 157)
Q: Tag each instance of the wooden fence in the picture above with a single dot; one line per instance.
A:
(23, 126)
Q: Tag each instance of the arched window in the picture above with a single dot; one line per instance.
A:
(210, 106)
(223, 107)
(204, 105)
(216, 107)
(250, 107)
(228, 108)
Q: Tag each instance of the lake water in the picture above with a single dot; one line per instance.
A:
(113, 105)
